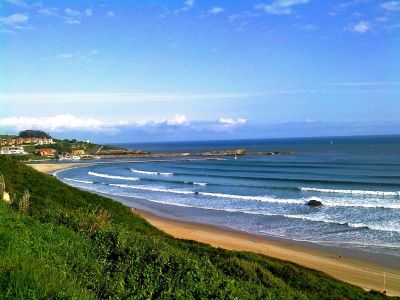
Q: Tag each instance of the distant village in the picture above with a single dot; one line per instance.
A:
(38, 145)
(35, 144)
(15, 145)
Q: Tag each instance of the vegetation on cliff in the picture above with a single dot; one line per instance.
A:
(61, 242)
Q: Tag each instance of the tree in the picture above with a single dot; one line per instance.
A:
(34, 134)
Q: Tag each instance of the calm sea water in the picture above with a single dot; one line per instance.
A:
(356, 178)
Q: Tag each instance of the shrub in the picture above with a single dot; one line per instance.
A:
(23, 204)
(2, 186)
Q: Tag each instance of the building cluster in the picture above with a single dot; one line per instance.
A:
(45, 152)
(13, 150)
(13, 146)
(26, 141)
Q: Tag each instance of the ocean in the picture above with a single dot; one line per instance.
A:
(357, 179)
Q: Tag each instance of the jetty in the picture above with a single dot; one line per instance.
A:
(235, 153)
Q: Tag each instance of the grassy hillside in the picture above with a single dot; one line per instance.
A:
(73, 244)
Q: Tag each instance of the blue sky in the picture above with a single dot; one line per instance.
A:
(181, 70)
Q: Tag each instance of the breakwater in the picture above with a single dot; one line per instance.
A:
(235, 152)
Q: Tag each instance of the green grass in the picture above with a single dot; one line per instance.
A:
(73, 244)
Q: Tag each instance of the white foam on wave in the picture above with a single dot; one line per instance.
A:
(324, 219)
(394, 227)
(356, 204)
(152, 173)
(312, 218)
(113, 176)
(387, 228)
(253, 198)
(215, 195)
(152, 189)
(196, 183)
(357, 192)
(77, 180)
(325, 202)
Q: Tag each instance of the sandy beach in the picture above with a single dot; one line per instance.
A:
(47, 168)
(359, 272)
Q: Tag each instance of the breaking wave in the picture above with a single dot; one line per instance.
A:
(311, 218)
(152, 189)
(152, 173)
(356, 192)
(324, 219)
(196, 183)
(215, 195)
(112, 176)
(80, 181)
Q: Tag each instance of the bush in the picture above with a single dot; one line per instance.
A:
(23, 204)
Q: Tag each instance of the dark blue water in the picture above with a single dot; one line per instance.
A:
(356, 178)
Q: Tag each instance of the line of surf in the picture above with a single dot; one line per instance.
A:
(311, 218)
(356, 192)
(268, 199)
(79, 181)
(299, 180)
(113, 176)
(152, 172)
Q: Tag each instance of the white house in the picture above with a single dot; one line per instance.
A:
(13, 150)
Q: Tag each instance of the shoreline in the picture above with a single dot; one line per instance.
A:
(52, 167)
(358, 271)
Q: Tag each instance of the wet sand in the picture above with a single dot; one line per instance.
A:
(360, 272)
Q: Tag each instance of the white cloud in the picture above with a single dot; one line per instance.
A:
(20, 3)
(216, 10)
(360, 27)
(56, 123)
(391, 5)
(48, 11)
(281, 7)
(307, 27)
(72, 21)
(71, 12)
(66, 122)
(367, 83)
(88, 12)
(72, 98)
(176, 120)
(64, 55)
(232, 122)
(15, 19)
(72, 16)
(189, 3)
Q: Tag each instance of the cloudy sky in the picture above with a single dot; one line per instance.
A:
(120, 71)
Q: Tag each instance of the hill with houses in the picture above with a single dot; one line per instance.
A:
(36, 144)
